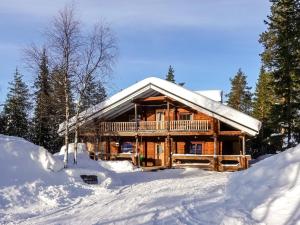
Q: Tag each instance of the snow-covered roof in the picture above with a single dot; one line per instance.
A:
(215, 95)
(122, 101)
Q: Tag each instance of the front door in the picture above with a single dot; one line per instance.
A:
(159, 154)
(160, 118)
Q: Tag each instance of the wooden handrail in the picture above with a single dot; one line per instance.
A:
(175, 125)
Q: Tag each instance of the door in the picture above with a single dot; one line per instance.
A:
(160, 119)
(159, 154)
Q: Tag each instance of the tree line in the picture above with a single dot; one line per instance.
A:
(70, 70)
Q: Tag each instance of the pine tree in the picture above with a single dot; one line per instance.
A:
(170, 75)
(43, 112)
(58, 101)
(16, 108)
(94, 94)
(264, 96)
(2, 123)
(263, 101)
(281, 55)
(240, 96)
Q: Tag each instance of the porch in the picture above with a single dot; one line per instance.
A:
(219, 163)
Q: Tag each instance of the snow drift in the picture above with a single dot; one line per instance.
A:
(23, 161)
(270, 190)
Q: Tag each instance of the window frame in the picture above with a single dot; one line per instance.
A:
(195, 150)
(185, 114)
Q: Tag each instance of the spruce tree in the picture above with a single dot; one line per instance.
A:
(240, 96)
(170, 75)
(264, 96)
(94, 94)
(58, 101)
(16, 108)
(263, 101)
(43, 112)
(281, 55)
(2, 123)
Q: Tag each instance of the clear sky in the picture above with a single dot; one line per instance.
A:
(205, 41)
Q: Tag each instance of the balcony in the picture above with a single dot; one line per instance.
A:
(157, 126)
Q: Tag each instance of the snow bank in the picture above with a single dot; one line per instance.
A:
(81, 148)
(118, 166)
(270, 190)
(23, 161)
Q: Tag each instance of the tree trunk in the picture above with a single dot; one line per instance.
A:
(67, 120)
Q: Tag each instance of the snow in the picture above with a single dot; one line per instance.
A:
(121, 102)
(22, 161)
(267, 193)
(215, 95)
(270, 190)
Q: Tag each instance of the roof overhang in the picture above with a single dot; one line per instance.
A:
(123, 101)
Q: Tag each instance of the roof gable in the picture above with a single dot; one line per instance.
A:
(122, 102)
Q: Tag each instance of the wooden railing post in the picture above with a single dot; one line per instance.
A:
(215, 154)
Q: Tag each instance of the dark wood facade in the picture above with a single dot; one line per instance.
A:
(161, 132)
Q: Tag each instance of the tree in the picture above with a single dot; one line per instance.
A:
(264, 96)
(240, 96)
(16, 107)
(170, 75)
(94, 94)
(64, 39)
(281, 56)
(43, 112)
(97, 58)
(2, 123)
(263, 102)
(80, 64)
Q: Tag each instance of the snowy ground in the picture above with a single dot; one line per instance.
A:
(31, 192)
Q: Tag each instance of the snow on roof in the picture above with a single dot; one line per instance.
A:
(122, 101)
(215, 95)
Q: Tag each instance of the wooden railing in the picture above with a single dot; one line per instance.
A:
(175, 125)
(211, 162)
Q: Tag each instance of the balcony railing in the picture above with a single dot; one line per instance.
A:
(175, 125)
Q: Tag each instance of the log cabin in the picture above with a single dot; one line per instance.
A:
(156, 123)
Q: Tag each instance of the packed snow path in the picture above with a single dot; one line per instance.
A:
(163, 197)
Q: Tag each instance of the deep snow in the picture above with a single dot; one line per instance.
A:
(35, 190)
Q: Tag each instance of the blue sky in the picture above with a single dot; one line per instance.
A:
(206, 41)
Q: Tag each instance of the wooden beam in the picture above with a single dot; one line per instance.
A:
(230, 133)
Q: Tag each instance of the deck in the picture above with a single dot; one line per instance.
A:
(208, 162)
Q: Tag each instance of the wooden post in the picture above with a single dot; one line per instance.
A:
(244, 152)
(137, 155)
(108, 149)
(169, 150)
(243, 145)
(137, 151)
(146, 152)
(215, 153)
(168, 112)
(168, 137)
(97, 148)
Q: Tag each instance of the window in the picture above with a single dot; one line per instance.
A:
(127, 147)
(185, 116)
(196, 148)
